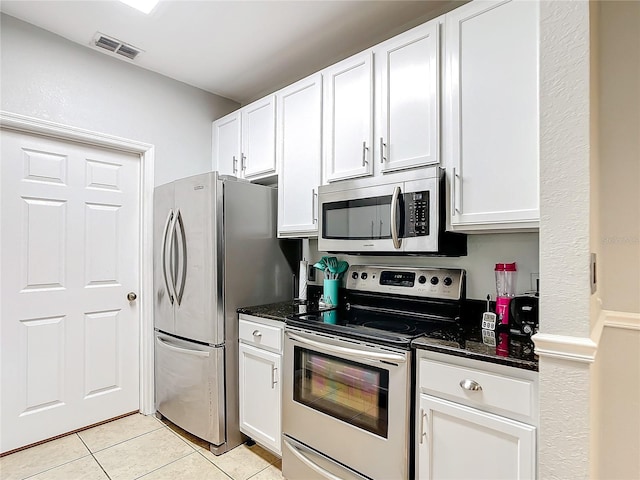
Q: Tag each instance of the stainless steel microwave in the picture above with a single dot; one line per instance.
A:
(403, 213)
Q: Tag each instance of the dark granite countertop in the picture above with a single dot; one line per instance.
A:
(511, 350)
(277, 311)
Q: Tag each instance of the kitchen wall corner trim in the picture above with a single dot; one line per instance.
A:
(23, 123)
(575, 349)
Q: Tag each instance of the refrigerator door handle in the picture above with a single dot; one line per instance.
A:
(188, 351)
(183, 258)
(164, 254)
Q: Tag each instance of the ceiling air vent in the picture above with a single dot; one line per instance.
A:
(116, 46)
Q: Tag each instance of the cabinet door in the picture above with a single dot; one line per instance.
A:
(260, 405)
(226, 144)
(491, 118)
(454, 442)
(348, 118)
(259, 138)
(408, 72)
(299, 150)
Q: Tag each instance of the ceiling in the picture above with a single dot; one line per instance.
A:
(239, 49)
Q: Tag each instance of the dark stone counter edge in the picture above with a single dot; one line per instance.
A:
(274, 311)
(280, 310)
(425, 344)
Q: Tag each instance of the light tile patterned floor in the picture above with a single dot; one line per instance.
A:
(134, 447)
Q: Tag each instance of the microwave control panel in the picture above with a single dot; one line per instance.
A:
(416, 208)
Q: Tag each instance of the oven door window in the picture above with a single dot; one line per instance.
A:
(349, 391)
(361, 219)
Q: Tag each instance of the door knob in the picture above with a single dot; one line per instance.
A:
(131, 296)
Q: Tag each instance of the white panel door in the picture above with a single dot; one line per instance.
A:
(491, 119)
(226, 144)
(260, 392)
(259, 138)
(348, 118)
(491, 447)
(299, 154)
(408, 73)
(69, 257)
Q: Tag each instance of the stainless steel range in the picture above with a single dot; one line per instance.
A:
(347, 388)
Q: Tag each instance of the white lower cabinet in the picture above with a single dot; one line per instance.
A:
(474, 421)
(260, 359)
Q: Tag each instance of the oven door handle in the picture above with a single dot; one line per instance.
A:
(312, 465)
(353, 352)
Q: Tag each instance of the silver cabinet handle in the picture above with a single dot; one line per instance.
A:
(423, 433)
(397, 242)
(235, 164)
(354, 352)
(314, 211)
(382, 145)
(257, 333)
(183, 260)
(168, 227)
(188, 351)
(364, 153)
(274, 376)
(471, 385)
(454, 192)
(243, 162)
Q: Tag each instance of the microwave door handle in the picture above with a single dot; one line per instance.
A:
(397, 242)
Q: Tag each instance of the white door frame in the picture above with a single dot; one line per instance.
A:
(13, 121)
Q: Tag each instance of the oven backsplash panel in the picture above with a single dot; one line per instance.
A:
(484, 251)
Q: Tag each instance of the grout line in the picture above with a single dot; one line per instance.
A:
(123, 441)
(162, 466)
(94, 457)
(199, 452)
(62, 464)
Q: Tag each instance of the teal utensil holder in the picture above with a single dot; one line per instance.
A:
(330, 291)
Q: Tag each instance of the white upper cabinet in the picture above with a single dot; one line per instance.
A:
(348, 118)
(408, 99)
(244, 142)
(226, 144)
(299, 156)
(259, 138)
(491, 117)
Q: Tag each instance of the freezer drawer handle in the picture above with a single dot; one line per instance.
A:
(389, 357)
(195, 353)
(312, 465)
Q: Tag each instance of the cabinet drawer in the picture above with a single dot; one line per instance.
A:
(261, 335)
(484, 390)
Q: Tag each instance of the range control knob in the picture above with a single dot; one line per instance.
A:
(354, 275)
(422, 279)
(434, 280)
(447, 281)
(363, 275)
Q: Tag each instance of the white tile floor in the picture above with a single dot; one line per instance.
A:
(134, 447)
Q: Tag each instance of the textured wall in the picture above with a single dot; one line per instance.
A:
(48, 77)
(564, 168)
(565, 386)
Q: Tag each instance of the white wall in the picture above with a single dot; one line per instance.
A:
(484, 251)
(48, 77)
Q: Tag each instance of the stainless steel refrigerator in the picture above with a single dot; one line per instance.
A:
(215, 249)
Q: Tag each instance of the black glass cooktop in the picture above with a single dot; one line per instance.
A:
(383, 326)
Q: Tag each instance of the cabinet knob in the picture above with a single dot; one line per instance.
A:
(471, 385)
(257, 333)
